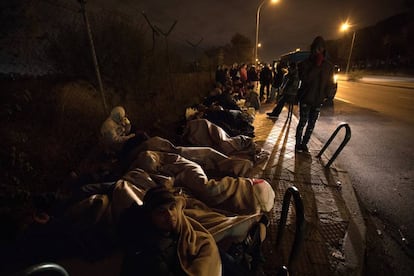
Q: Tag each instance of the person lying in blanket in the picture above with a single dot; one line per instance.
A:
(240, 195)
(202, 132)
(160, 239)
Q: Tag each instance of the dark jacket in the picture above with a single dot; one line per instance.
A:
(266, 75)
(317, 81)
(252, 74)
(292, 83)
(225, 100)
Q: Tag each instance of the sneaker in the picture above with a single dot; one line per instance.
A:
(271, 115)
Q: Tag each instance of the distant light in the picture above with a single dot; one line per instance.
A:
(345, 26)
(259, 45)
(297, 49)
(274, 1)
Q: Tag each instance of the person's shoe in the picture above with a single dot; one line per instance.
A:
(298, 148)
(271, 115)
(304, 148)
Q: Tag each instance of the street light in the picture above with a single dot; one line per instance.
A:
(257, 27)
(345, 27)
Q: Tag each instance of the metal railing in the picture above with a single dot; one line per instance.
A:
(300, 223)
(341, 146)
(46, 268)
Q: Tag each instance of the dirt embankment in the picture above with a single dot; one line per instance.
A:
(46, 127)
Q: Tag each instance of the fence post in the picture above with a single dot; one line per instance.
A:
(95, 60)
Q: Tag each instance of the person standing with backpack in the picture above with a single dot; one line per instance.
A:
(289, 93)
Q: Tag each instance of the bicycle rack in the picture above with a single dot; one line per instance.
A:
(341, 146)
(300, 223)
(44, 268)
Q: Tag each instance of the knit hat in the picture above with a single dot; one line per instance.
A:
(157, 196)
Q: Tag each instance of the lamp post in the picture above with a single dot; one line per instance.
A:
(257, 27)
(345, 27)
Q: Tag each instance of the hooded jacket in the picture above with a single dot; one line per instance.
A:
(115, 131)
(316, 74)
(317, 81)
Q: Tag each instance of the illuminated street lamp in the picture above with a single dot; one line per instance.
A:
(256, 45)
(344, 28)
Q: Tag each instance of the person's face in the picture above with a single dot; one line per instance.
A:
(320, 50)
(165, 217)
(125, 121)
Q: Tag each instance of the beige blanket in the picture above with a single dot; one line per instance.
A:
(208, 158)
(197, 249)
(202, 132)
(234, 194)
(199, 227)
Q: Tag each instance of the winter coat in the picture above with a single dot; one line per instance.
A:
(115, 131)
(252, 74)
(317, 81)
(266, 75)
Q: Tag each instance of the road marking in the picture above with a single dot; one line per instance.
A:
(405, 97)
(342, 100)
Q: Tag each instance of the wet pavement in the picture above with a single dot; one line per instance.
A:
(334, 240)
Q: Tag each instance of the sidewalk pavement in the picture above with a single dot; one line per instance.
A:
(334, 242)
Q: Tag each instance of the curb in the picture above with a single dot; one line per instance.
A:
(354, 243)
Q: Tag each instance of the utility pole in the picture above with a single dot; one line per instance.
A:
(94, 58)
(350, 54)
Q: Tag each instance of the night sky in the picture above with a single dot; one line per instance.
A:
(284, 26)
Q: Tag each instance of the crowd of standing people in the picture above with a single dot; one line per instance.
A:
(307, 83)
(255, 84)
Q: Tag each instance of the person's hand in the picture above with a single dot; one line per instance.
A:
(132, 135)
(125, 121)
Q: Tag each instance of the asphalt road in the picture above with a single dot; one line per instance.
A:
(379, 159)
